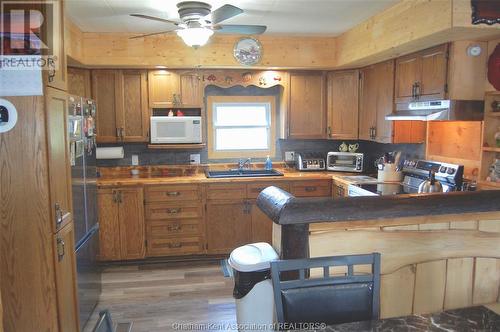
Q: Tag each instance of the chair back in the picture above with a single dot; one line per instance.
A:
(330, 298)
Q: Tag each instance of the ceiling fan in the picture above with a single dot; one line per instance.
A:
(198, 23)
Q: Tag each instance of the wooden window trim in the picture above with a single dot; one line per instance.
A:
(213, 154)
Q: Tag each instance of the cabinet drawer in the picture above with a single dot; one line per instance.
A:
(173, 193)
(254, 189)
(161, 229)
(226, 191)
(312, 188)
(175, 246)
(156, 211)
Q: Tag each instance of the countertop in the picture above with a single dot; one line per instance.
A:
(467, 319)
(121, 176)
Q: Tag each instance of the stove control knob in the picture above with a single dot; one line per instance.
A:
(442, 169)
(451, 171)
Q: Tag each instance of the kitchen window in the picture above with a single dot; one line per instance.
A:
(241, 126)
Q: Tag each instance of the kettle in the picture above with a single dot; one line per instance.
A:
(430, 185)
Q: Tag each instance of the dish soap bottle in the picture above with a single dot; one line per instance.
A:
(268, 164)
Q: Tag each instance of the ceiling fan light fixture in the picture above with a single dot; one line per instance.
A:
(195, 37)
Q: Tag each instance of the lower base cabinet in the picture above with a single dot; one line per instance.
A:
(228, 225)
(122, 227)
(65, 267)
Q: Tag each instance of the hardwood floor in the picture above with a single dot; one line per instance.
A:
(155, 296)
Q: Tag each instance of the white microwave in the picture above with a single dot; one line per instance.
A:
(176, 129)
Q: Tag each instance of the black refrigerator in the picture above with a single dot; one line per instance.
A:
(81, 130)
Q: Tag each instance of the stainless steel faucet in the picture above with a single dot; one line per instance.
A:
(241, 164)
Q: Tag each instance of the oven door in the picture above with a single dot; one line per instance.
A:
(348, 162)
(186, 129)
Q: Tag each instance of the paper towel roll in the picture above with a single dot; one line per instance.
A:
(110, 153)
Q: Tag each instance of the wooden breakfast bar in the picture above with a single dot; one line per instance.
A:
(438, 251)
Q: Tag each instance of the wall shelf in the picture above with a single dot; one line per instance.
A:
(199, 146)
(490, 149)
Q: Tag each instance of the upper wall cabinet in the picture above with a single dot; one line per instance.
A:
(422, 75)
(376, 101)
(79, 82)
(191, 90)
(164, 89)
(57, 77)
(122, 107)
(307, 111)
(342, 104)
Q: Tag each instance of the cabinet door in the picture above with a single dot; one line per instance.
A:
(433, 75)
(228, 225)
(79, 82)
(307, 113)
(134, 116)
(65, 270)
(262, 225)
(109, 225)
(367, 103)
(163, 85)
(191, 90)
(407, 74)
(343, 88)
(409, 132)
(58, 78)
(106, 88)
(384, 83)
(58, 156)
(132, 226)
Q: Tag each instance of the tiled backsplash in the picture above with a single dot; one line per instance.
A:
(147, 156)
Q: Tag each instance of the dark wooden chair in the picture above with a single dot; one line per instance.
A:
(330, 299)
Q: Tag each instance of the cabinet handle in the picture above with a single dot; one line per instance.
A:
(310, 189)
(59, 214)
(329, 131)
(60, 249)
(374, 133)
(175, 245)
(173, 193)
(417, 90)
(173, 211)
(118, 195)
(118, 132)
(174, 227)
(414, 91)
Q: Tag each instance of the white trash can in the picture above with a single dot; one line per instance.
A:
(253, 289)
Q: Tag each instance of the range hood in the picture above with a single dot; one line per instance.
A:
(439, 110)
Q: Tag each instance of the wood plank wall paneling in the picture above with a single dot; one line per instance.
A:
(27, 245)
(408, 26)
(423, 269)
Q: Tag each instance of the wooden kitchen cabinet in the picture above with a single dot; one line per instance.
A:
(228, 225)
(122, 227)
(307, 111)
(342, 104)
(191, 90)
(79, 82)
(422, 75)
(56, 102)
(56, 78)
(409, 132)
(122, 112)
(311, 188)
(65, 271)
(376, 101)
(163, 87)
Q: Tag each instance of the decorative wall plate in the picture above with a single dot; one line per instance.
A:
(248, 51)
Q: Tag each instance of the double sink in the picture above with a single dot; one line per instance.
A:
(242, 173)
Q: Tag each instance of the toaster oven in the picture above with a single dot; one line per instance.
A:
(345, 162)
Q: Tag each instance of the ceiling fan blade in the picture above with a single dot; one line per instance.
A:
(225, 12)
(159, 19)
(240, 29)
(151, 34)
